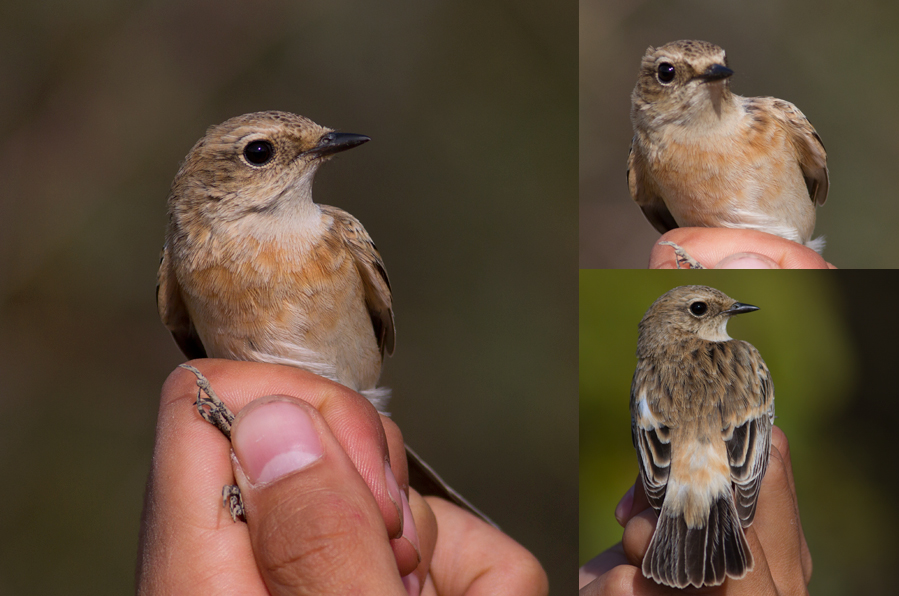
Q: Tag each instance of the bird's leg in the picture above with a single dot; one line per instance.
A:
(220, 417)
(218, 414)
(232, 499)
(681, 257)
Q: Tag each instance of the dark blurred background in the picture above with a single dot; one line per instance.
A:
(832, 59)
(829, 341)
(467, 188)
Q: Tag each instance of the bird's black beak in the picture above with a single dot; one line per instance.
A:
(738, 308)
(716, 72)
(335, 142)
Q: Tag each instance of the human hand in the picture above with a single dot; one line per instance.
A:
(724, 248)
(333, 525)
(783, 564)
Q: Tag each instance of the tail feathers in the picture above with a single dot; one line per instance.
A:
(378, 397)
(816, 245)
(679, 556)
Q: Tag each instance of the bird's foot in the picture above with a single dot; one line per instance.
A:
(214, 411)
(218, 414)
(233, 501)
(681, 258)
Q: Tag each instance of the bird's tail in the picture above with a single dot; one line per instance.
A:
(816, 245)
(680, 556)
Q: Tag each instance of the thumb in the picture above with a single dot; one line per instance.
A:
(314, 525)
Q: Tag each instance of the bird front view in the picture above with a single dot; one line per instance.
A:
(253, 269)
(702, 408)
(703, 156)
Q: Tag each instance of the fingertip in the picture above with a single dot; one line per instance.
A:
(275, 436)
(412, 584)
(779, 440)
(414, 550)
(624, 507)
(410, 533)
(637, 534)
(396, 497)
(623, 579)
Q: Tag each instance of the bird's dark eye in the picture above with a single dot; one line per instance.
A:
(699, 308)
(666, 73)
(259, 152)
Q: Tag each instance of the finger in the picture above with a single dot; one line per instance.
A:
(779, 442)
(625, 580)
(633, 502)
(425, 524)
(313, 523)
(773, 538)
(735, 249)
(353, 420)
(397, 450)
(476, 559)
(188, 543)
(637, 534)
(407, 548)
(777, 523)
(601, 564)
(776, 537)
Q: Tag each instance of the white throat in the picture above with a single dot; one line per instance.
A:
(293, 219)
(718, 333)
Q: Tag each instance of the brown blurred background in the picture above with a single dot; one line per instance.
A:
(834, 60)
(829, 341)
(467, 187)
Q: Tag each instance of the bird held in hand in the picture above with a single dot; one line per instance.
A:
(253, 269)
(703, 156)
(702, 408)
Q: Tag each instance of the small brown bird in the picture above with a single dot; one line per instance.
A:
(702, 407)
(702, 156)
(253, 269)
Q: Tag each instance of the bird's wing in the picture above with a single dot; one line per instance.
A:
(809, 147)
(378, 297)
(652, 440)
(645, 196)
(747, 427)
(173, 311)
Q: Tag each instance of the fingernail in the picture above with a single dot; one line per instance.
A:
(410, 534)
(395, 494)
(747, 260)
(623, 509)
(412, 584)
(275, 438)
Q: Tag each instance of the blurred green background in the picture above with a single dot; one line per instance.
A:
(467, 187)
(832, 59)
(829, 341)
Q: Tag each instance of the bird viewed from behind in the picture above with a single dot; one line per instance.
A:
(702, 408)
(703, 156)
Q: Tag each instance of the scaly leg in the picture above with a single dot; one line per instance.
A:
(681, 257)
(220, 417)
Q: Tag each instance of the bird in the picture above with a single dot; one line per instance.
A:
(702, 409)
(703, 156)
(253, 269)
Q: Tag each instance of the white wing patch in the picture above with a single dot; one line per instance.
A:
(647, 420)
